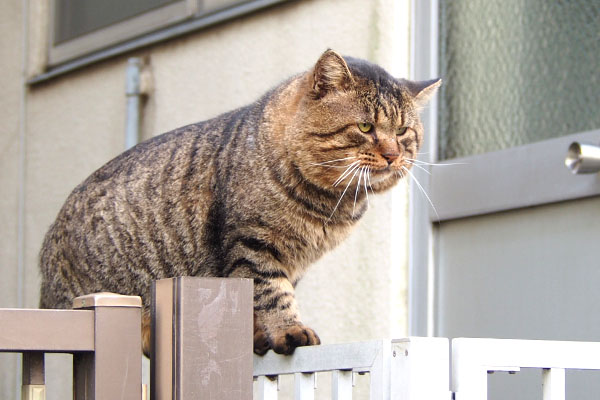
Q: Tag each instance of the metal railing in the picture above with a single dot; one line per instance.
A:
(202, 346)
(102, 333)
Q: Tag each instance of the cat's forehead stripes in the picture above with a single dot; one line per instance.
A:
(386, 109)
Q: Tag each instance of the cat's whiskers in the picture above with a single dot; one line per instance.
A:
(351, 168)
(360, 176)
(417, 165)
(324, 163)
(422, 190)
(421, 162)
(367, 177)
(370, 184)
(342, 196)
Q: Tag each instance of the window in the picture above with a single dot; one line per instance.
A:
(80, 28)
(516, 72)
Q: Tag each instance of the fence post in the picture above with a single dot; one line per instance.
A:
(114, 369)
(202, 339)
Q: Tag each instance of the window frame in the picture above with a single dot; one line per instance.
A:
(61, 61)
(117, 32)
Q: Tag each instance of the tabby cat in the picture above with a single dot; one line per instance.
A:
(260, 192)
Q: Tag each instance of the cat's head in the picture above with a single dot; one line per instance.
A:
(358, 125)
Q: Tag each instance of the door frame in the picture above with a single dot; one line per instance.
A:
(421, 234)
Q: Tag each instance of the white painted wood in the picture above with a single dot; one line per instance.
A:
(341, 385)
(553, 384)
(420, 369)
(304, 386)
(267, 388)
(470, 383)
(502, 353)
(473, 358)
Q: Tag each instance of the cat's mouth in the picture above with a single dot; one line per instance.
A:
(380, 174)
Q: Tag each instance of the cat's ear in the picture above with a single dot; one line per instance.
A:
(330, 73)
(423, 90)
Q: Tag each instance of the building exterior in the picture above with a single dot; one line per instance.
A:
(61, 128)
(509, 250)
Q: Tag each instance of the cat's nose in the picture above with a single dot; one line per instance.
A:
(390, 157)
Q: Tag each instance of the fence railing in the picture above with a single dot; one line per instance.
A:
(202, 347)
(413, 368)
(473, 359)
(103, 334)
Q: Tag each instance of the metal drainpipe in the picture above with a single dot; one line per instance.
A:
(135, 88)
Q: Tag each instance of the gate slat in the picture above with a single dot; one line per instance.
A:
(554, 385)
(304, 385)
(341, 385)
(267, 388)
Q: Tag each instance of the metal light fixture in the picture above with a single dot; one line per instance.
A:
(583, 158)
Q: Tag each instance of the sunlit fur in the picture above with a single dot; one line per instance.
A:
(260, 192)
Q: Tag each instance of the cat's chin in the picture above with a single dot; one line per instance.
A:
(381, 175)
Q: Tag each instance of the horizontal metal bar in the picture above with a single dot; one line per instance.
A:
(156, 37)
(46, 330)
(519, 177)
(503, 354)
(358, 357)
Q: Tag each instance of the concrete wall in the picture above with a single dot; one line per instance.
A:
(75, 123)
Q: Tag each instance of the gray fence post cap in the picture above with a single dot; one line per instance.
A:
(106, 299)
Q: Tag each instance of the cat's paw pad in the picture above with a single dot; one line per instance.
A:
(295, 336)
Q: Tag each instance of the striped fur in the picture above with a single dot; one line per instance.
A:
(247, 194)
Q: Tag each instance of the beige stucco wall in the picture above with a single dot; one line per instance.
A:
(75, 123)
(11, 64)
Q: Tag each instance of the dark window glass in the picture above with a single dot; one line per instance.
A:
(74, 18)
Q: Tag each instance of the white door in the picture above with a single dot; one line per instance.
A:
(512, 249)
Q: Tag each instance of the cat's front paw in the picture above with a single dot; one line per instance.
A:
(286, 341)
(261, 342)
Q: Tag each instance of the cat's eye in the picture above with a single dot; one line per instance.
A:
(402, 130)
(365, 127)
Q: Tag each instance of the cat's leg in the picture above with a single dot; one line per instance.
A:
(277, 324)
(261, 340)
